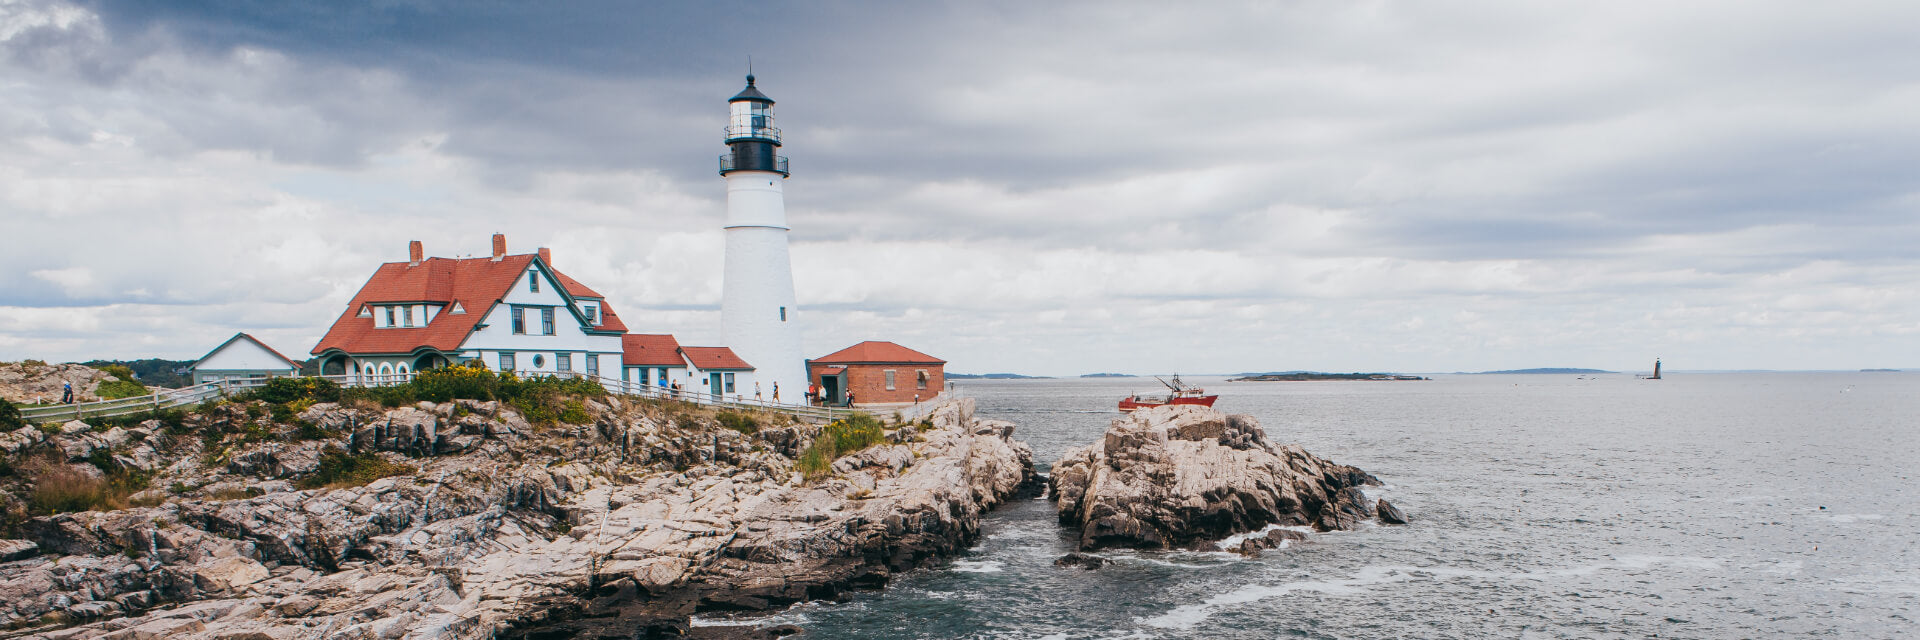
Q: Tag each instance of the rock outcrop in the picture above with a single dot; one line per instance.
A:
(624, 526)
(1182, 476)
(29, 382)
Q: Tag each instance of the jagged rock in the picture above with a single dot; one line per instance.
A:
(1389, 514)
(11, 550)
(504, 530)
(15, 441)
(1172, 476)
(1081, 560)
(25, 383)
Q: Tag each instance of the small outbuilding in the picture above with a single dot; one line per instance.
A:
(878, 373)
(242, 357)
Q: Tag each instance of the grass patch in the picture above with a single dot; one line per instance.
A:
(840, 438)
(117, 389)
(737, 421)
(61, 488)
(339, 469)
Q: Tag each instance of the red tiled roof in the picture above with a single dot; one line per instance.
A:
(573, 286)
(877, 351)
(650, 350)
(714, 358)
(475, 283)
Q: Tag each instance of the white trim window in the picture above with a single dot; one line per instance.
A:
(593, 365)
(889, 374)
(563, 361)
(506, 361)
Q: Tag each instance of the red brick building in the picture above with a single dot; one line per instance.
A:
(877, 373)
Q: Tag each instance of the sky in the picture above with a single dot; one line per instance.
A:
(1042, 188)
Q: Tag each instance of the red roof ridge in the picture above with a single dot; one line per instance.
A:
(714, 358)
(877, 351)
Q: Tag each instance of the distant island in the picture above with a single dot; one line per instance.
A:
(993, 376)
(1879, 371)
(1301, 376)
(1544, 370)
(1108, 375)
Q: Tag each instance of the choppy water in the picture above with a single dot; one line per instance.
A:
(1700, 506)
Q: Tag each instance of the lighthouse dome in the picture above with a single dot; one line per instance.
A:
(750, 94)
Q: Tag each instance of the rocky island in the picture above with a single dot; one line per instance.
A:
(1184, 476)
(573, 515)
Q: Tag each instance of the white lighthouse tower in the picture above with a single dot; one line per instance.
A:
(758, 317)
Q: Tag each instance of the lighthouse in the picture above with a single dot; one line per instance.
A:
(758, 317)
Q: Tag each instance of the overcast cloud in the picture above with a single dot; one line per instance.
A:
(1033, 187)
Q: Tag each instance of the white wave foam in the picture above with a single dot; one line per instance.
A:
(1848, 518)
(979, 566)
(1188, 616)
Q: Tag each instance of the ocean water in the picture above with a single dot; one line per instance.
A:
(1735, 505)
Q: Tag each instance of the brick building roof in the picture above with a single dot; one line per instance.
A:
(476, 284)
(877, 351)
(714, 358)
(650, 350)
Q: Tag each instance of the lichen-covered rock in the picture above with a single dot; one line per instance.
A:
(1176, 475)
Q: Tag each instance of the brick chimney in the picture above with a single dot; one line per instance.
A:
(415, 253)
(546, 256)
(499, 246)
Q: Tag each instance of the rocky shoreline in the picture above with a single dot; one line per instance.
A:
(623, 526)
(1185, 476)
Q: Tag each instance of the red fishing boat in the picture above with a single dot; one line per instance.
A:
(1178, 393)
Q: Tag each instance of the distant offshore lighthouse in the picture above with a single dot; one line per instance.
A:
(758, 316)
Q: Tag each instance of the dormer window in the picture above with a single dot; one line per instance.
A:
(593, 314)
(390, 323)
(406, 314)
(533, 281)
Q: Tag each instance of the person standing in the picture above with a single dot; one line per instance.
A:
(756, 391)
(776, 392)
(66, 396)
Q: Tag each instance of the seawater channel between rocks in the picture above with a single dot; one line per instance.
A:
(1544, 506)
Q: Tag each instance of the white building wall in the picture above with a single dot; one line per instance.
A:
(759, 283)
(243, 355)
(569, 336)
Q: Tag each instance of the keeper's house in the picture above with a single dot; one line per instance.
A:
(509, 312)
(878, 373)
(242, 357)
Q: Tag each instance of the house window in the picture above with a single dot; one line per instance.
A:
(889, 373)
(662, 378)
(519, 320)
(783, 314)
(563, 362)
(533, 281)
(389, 317)
(539, 361)
(406, 314)
(593, 315)
(506, 361)
(546, 321)
(593, 365)
(729, 379)
(920, 379)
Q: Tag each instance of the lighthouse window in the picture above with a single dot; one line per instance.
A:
(783, 314)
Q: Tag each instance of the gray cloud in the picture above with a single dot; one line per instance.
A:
(1335, 183)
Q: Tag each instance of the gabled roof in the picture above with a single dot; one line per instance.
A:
(574, 287)
(243, 335)
(475, 283)
(714, 358)
(650, 350)
(877, 351)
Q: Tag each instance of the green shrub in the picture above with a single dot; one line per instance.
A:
(339, 469)
(117, 389)
(120, 371)
(285, 390)
(737, 421)
(840, 438)
(10, 416)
